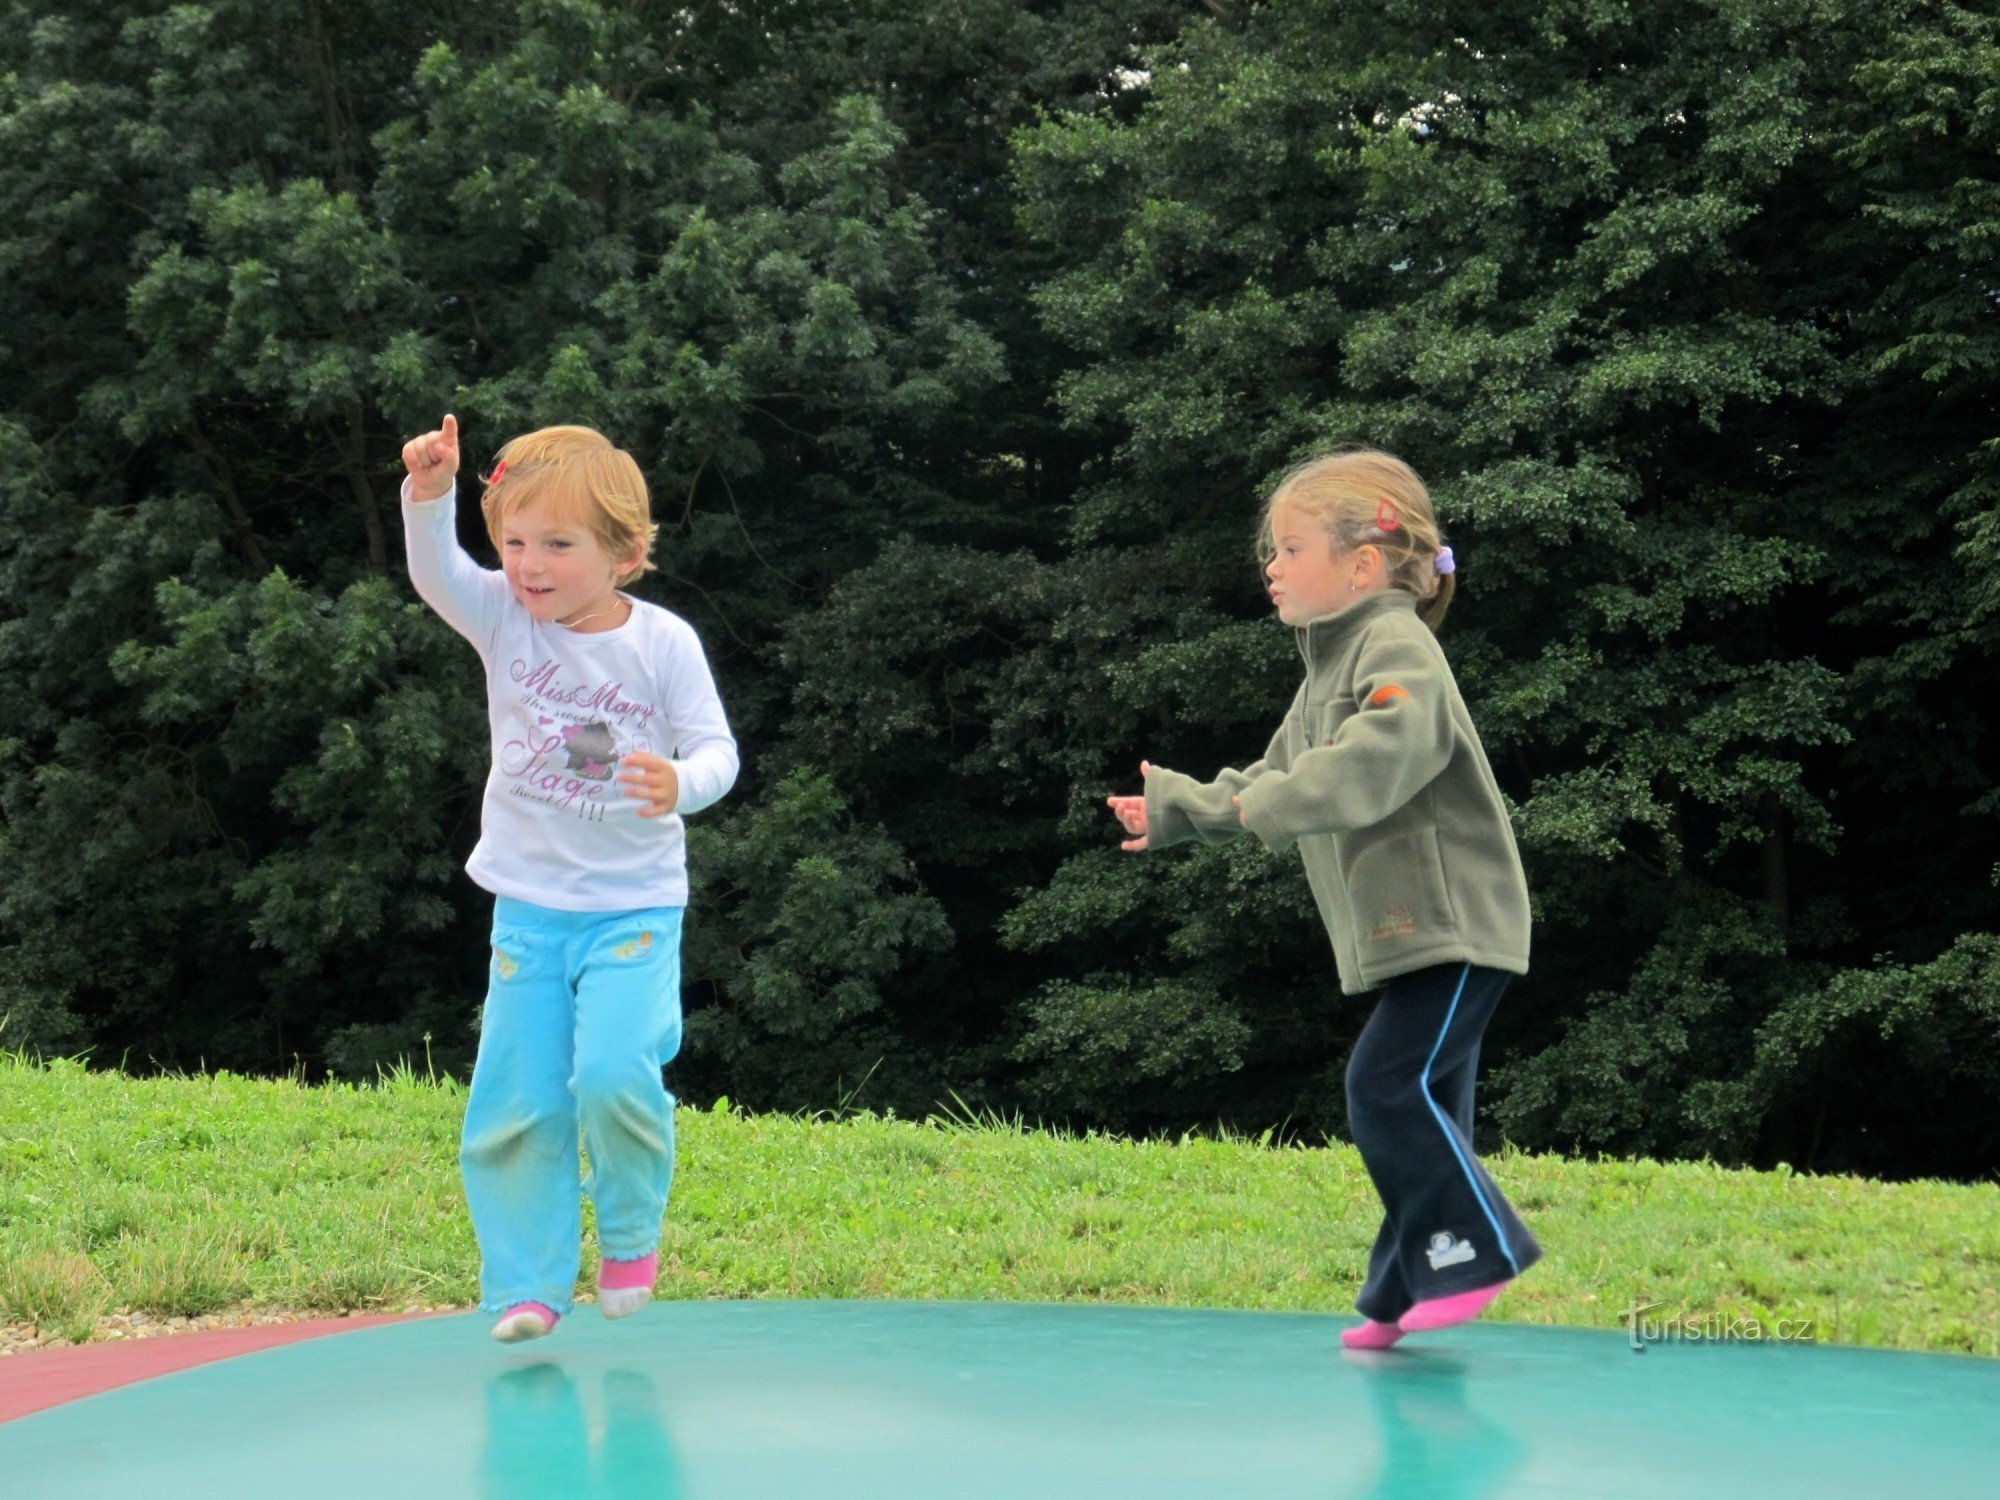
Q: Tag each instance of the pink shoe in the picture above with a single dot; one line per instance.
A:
(623, 1286)
(525, 1320)
(1370, 1335)
(1444, 1312)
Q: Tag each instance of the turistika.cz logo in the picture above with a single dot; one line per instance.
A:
(1717, 1328)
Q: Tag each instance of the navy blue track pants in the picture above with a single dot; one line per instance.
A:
(1445, 1227)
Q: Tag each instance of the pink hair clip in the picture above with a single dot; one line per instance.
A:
(498, 469)
(1385, 517)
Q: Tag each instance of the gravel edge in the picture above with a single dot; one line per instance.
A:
(119, 1327)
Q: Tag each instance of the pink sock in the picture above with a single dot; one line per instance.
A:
(1370, 1335)
(623, 1275)
(525, 1320)
(1443, 1312)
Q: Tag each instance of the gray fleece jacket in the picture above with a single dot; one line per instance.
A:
(1379, 777)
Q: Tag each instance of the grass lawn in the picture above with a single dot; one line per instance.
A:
(182, 1196)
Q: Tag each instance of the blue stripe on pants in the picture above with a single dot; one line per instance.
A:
(1444, 1125)
(583, 1010)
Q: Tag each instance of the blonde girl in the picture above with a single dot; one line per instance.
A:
(1378, 777)
(606, 733)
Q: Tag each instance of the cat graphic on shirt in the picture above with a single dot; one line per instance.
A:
(591, 749)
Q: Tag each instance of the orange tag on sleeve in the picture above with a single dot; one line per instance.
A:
(1387, 694)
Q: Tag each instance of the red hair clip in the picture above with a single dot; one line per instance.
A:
(1385, 517)
(498, 469)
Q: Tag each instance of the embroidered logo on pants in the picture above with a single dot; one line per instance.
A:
(1447, 1251)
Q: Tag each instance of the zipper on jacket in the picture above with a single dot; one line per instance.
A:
(1302, 637)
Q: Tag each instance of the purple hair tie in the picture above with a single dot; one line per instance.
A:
(1444, 562)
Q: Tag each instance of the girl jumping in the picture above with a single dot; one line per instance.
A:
(1379, 777)
(607, 731)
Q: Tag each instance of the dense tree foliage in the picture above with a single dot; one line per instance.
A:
(957, 343)
(1682, 314)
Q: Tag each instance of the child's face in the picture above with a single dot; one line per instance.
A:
(1309, 578)
(555, 564)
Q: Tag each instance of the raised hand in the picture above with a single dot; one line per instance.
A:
(1131, 812)
(432, 461)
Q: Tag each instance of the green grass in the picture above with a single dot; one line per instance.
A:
(192, 1195)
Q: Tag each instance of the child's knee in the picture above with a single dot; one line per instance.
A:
(514, 1135)
(1374, 1077)
(1382, 1106)
(617, 1086)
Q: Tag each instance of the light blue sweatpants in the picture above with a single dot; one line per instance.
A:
(583, 1010)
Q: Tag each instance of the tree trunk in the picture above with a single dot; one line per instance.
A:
(232, 503)
(364, 492)
(1777, 892)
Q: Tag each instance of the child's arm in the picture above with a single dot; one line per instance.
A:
(1395, 744)
(1176, 808)
(466, 596)
(705, 763)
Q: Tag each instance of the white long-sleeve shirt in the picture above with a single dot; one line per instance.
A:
(565, 707)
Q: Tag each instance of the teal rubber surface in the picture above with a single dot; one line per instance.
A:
(823, 1400)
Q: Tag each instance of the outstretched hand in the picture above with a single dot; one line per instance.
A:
(1131, 812)
(432, 461)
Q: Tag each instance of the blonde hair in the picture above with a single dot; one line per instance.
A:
(587, 477)
(1355, 494)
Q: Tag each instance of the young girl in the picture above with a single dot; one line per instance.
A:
(1379, 777)
(606, 732)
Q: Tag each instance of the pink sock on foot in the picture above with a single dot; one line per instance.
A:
(622, 1275)
(623, 1286)
(525, 1320)
(1370, 1335)
(1443, 1312)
